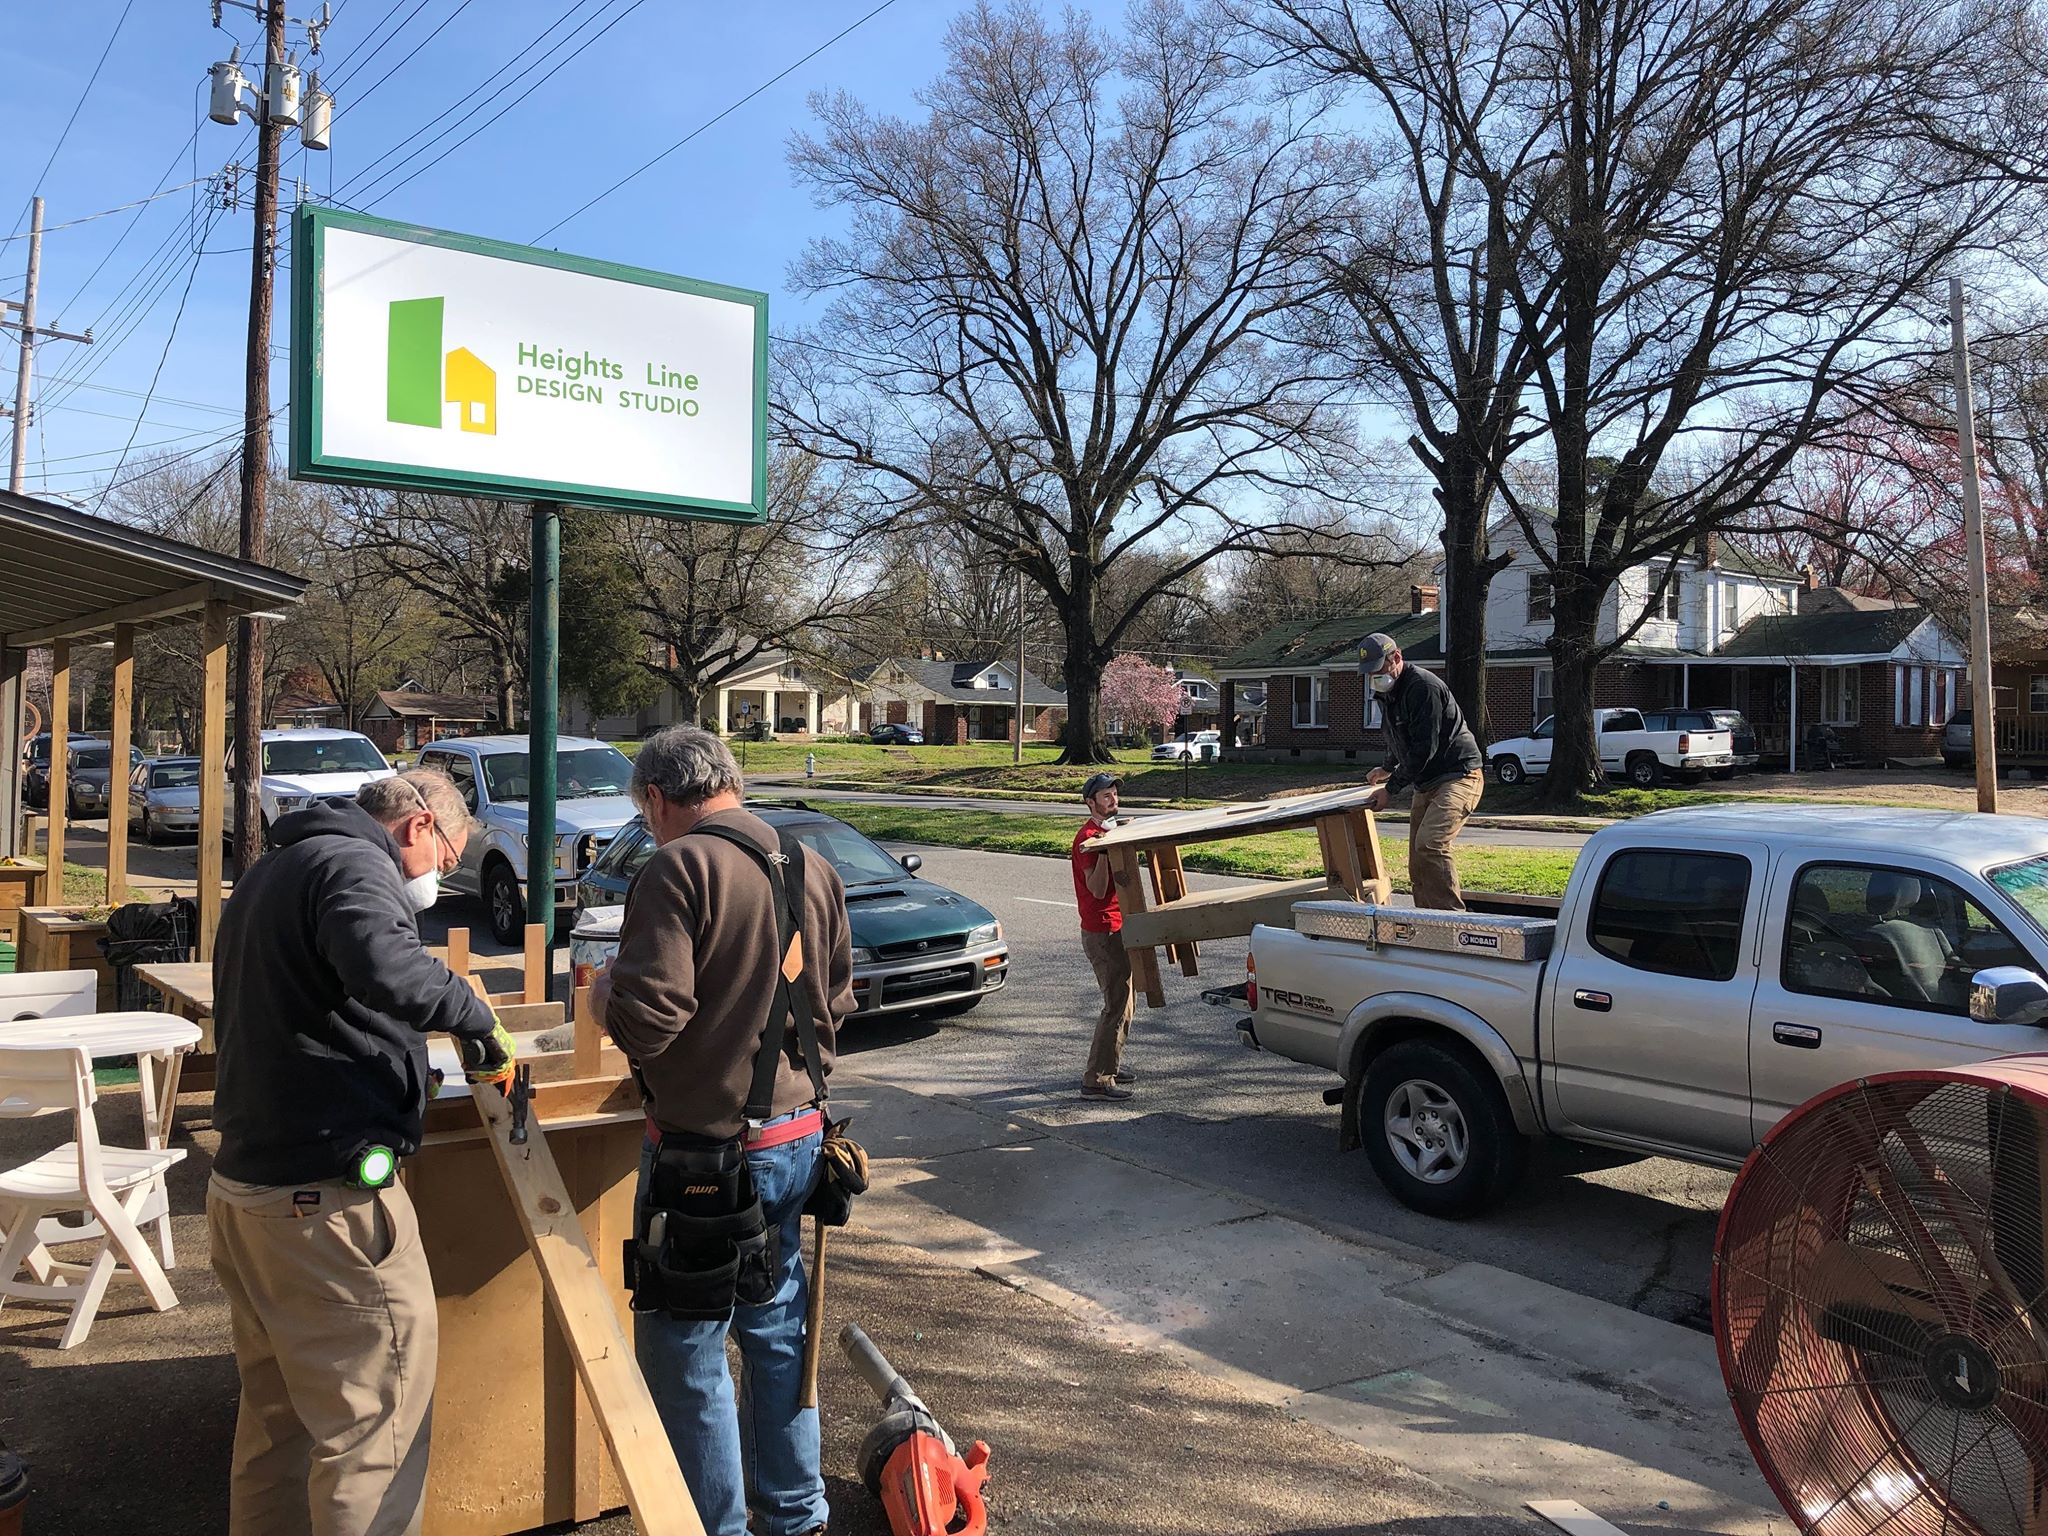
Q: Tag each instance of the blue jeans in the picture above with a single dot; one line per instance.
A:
(761, 1453)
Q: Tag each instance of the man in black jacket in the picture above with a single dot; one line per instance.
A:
(1430, 747)
(324, 1001)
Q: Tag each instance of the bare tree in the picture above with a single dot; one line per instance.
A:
(1062, 310)
(1748, 224)
(715, 597)
(467, 557)
(1423, 303)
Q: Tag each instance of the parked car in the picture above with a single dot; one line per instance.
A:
(917, 946)
(1708, 970)
(493, 773)
(1201, 746)
(1628, 749)
(35, 779)
(89, 778)
(163, 797)
(1741, 739)
(1958, 745)
(314, 763)
(896, 734)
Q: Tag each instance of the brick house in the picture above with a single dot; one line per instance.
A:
(408, 718)
(1727, 629)
(955, 702)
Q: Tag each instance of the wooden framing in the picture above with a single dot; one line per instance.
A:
(1347, 836)
(60, 733)
(119, 769)
(213, 768)
(164, 605)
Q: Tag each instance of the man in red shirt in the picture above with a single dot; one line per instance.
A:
(1102, 921)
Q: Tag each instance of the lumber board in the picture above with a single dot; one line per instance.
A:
(213, 770)
(582, 1306)
(1218, 822)
(1365, 833)
(1172, 880)
(123, 705)
(60, 767)
(589, 1038)
(1224, 914)
(1130, 890)
(535, 966)
(1340, 855)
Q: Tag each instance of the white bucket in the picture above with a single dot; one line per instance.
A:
(592, 943)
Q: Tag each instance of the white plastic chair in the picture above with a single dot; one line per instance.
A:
(46, 995)
(110, 1184)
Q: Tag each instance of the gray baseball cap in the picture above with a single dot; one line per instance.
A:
(1373, 651)
(1097, 783)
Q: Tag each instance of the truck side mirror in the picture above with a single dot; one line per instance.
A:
(2008, 994)
(912, 863)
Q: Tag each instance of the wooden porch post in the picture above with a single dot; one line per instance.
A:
(213, 767)
(60, 737)
(118, 768)
(1792, 728)
(13, 674)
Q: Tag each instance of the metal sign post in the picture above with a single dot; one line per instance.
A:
(544, 651)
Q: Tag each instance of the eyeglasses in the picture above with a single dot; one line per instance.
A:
(454, 858)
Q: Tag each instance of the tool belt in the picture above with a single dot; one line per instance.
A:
(701, 1240)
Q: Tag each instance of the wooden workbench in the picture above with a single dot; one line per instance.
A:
(21, 883)
(515, 1443)
(1352, 867)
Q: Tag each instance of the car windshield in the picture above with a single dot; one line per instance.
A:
(580, 772)
(174, 776)
(2027, 884)
(858, 861)
(322, 754)
(88, 759)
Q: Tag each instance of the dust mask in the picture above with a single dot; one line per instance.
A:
(423, 890)
(1380, 682)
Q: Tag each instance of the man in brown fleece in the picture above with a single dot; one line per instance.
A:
(687, 998)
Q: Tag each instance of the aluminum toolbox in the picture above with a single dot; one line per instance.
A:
(1465, 933)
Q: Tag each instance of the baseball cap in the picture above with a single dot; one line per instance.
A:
(1097, 783)
(1373, 651)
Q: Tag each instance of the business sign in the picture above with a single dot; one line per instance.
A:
(441, 362)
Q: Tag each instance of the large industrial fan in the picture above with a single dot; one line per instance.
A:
(1881, 1304)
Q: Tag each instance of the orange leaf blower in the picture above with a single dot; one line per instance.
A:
(926, 1487)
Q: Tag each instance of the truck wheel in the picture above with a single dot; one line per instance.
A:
(504, 902)
(1644, 771)
(1508, 769)
(1438, 1131)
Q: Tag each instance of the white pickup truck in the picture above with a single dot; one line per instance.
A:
(1708, 970)
(1628, 749)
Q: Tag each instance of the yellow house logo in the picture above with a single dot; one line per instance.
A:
(419, 379)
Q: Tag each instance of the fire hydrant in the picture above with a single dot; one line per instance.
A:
(810, 765)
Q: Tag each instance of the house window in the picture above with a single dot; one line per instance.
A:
(1311, 702)
(1539, 597)
(1669, 601)
(1840, 695)
(1545, 701)
(2037, 694)
(1929, 695)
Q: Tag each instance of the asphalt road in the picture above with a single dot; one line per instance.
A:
(1208, 1109)
(1251, 1124)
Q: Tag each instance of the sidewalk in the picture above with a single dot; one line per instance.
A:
(1494, 1388)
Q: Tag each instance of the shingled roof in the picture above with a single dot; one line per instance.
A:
(1306, 644)
(1844, 632)
(951, 680)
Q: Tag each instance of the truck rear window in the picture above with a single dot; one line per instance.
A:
(1679, 914)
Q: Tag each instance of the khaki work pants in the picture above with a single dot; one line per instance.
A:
(335, 1337)
(1435, 818)
(1112, 964)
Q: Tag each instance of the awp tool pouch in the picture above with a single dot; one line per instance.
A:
(702, 1241)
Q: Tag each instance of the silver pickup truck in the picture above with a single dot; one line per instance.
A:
(1707, 971)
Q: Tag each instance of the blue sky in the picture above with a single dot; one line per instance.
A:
(723, 208)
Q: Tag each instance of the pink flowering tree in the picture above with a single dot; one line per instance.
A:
(1139, 696)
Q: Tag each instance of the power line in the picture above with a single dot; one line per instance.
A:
(359, 98)
(77, 107)
(170, 337)
(108, 212)
(372, 170)
(515, 101)
(353, 67)
(720, 117)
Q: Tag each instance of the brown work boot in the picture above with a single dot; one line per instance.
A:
(1108, 1090)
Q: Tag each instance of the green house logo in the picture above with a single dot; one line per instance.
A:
(419, 378)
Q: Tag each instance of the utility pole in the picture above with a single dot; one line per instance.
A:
(276, 107)
(1983, 718)
(25, 372)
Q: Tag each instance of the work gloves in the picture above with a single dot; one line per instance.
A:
(489, 1059)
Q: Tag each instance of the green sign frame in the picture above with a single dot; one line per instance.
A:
(309, 462)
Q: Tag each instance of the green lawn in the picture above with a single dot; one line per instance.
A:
(1283, 855)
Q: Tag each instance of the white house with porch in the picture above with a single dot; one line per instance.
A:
(794, 700)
